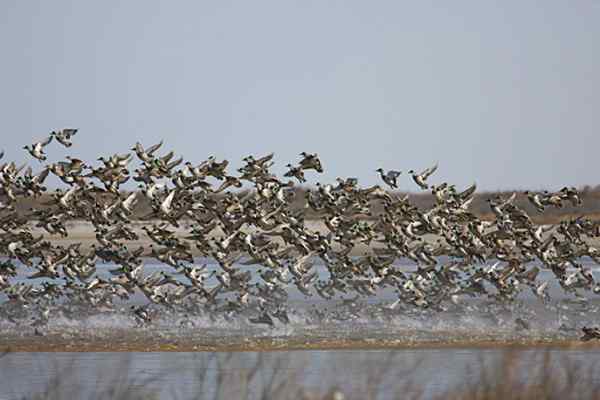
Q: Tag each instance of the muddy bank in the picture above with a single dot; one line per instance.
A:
(126, 340)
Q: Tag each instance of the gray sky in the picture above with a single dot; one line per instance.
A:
(506, 94)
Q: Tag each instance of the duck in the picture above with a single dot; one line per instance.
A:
(390, 177)
(263, 318)
(37, 149)
(146, 155)
(64, 136)
(295, 172)
(420, 179)
(590, 333)
(311, 161)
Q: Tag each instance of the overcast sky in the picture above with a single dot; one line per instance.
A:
(506, 94)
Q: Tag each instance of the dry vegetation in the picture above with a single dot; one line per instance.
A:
(479, 206)
(389, 376)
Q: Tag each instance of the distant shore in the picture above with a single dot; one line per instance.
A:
(83, 233)
(116, 343)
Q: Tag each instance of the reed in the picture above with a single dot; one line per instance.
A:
(286, 375)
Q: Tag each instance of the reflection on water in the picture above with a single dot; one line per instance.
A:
(370, 374)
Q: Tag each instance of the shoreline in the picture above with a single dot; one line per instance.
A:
(83, 233)
(83, 345)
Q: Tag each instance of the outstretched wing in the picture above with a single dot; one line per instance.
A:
(167, 157)
(175, 163)
(41, 177)
(153, 148)
(168, 200)
(47, 141)
(429, 171)
(265, 159)
(468, 191)
(509, 200)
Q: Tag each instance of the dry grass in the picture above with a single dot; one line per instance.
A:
(479, 206)
(388, 376)
(545, 381)
(62, 385)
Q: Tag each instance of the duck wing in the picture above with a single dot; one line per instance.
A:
(154, 147)
(265, 159)
(429, 171)
(46, 141)
(468, 191)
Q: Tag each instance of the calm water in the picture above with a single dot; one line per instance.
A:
(196, 375)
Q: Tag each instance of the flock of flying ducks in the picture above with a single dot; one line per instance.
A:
(263, 247)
